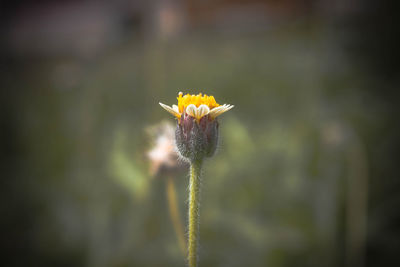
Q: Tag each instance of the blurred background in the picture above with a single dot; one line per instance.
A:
(305, 174)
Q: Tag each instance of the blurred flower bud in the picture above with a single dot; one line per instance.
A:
(163, 156)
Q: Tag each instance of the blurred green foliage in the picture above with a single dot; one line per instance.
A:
(275, 193)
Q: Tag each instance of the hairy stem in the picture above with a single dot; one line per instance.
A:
(194, 215)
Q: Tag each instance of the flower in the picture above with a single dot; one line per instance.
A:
(196, 135)
(163, 156)
(196, 106)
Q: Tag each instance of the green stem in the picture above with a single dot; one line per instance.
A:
(194, 215)
(174, 213)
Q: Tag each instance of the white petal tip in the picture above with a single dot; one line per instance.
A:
(215, 112)
(173, 111)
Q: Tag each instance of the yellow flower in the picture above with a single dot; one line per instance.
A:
(196, 106)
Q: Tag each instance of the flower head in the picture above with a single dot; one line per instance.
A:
(163, 156)
(196, 134)
(196, 106)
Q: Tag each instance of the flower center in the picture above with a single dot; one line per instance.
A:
(197, 100)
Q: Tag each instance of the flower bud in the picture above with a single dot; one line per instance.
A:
(163, 156)
(196, 140)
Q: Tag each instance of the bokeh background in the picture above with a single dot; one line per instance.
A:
(306, 173)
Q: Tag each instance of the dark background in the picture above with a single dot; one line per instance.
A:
(306, 173)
